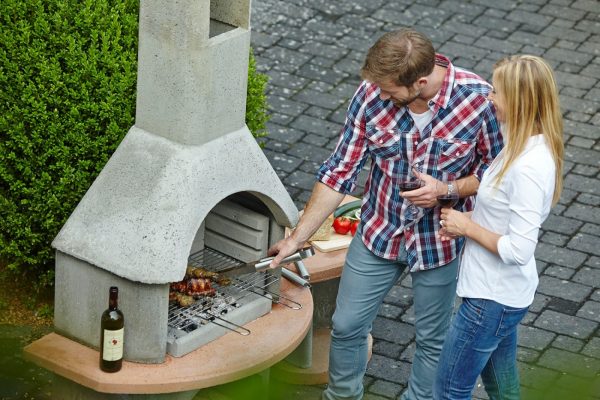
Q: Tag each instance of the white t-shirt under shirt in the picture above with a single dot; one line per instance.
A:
(421, 120)
(515, 209)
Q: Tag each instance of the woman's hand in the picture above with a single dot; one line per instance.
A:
(454, 224)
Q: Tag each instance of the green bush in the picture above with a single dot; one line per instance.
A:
(68, 76)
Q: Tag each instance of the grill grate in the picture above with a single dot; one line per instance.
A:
(227, 298)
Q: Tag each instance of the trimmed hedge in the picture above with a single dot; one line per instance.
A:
(68, 76)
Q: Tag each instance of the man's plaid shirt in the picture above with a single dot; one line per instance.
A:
(461, 140)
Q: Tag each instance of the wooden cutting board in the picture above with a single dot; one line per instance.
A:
(336, 242)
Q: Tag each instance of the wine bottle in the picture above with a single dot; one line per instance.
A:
(111, 334)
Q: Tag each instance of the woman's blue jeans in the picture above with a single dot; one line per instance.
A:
(482, 340)
(365, 281)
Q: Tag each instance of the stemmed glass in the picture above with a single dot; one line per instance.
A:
(411, 182)
(450, 196)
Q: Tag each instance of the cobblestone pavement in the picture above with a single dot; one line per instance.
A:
(312, 51)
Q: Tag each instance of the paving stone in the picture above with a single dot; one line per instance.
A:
(329, 75)
(586, 170)
(568, 343)
(452, 50)
(593, 262)
(387, 349)
(559, 272)
(586, 144)
(392, 331)
(563, 306)
(371, 396)
(586, 243)
(590, 310)
(562, 224)
(583, 130)
(529, 18)
(565, 324)
(562, 12)
(573, 104)
(284, 133)
(572, 34)
(317, 126)
(588, 276)
(400, 296)
(534, 338)
(577, 116)
(386, 389)
(583, 212)
(555, 238)
(596, 295)
(592, 70)
(539, 302)
(282, 161)
(592, 348)
(527, 355)
(559, 256)
(300, 180)
(571, 363)
(535, 376)
(501, 46)
(318, 112)
(390, 311)
(324, 100)
(388, 369)
(529, 318)
(409, 352)
(409, 316)
(283, 105)
(287, 56)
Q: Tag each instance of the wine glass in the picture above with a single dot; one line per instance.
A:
(450, 197)
(411, 182)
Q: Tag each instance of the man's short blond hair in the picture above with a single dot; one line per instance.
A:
(403, 56)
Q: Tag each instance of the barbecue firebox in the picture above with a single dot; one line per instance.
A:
(188, 185)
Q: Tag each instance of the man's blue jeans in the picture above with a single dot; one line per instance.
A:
(365, 281)
(482, 340)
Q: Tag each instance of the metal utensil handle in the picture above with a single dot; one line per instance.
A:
(236, 328)
(276, 298)
(294, 278)
(264, 263)
(302, 270)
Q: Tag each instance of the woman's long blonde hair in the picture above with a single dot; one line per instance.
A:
(531, 106)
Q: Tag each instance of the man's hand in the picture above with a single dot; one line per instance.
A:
(426, 195)
(283, 248)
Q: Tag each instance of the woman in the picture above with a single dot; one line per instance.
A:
(498, 276)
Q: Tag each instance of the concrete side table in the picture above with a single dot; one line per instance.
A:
(325, 270)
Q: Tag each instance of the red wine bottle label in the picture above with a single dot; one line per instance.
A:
(113, 345)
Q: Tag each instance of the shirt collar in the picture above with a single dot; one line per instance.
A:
(442, 97)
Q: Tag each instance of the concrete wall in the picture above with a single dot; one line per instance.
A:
(81, 296)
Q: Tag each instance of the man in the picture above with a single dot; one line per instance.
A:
(413, 108)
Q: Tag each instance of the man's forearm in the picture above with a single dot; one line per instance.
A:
(322, 202)
(467, 186)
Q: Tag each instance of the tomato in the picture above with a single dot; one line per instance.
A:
(354, 226)
(341, 225)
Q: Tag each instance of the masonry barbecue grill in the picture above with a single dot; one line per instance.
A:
(187, 184)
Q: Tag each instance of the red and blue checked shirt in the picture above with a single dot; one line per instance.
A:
(461, 140)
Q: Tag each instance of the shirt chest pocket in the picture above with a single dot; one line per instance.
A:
(384, 143)
(455, 156)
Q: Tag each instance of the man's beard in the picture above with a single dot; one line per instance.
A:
(405, 102)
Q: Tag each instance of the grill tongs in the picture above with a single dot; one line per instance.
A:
(254, 286)
(263, 264)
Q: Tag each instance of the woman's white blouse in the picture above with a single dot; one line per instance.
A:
(515, 209)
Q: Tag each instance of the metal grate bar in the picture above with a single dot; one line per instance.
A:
(226, 298)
